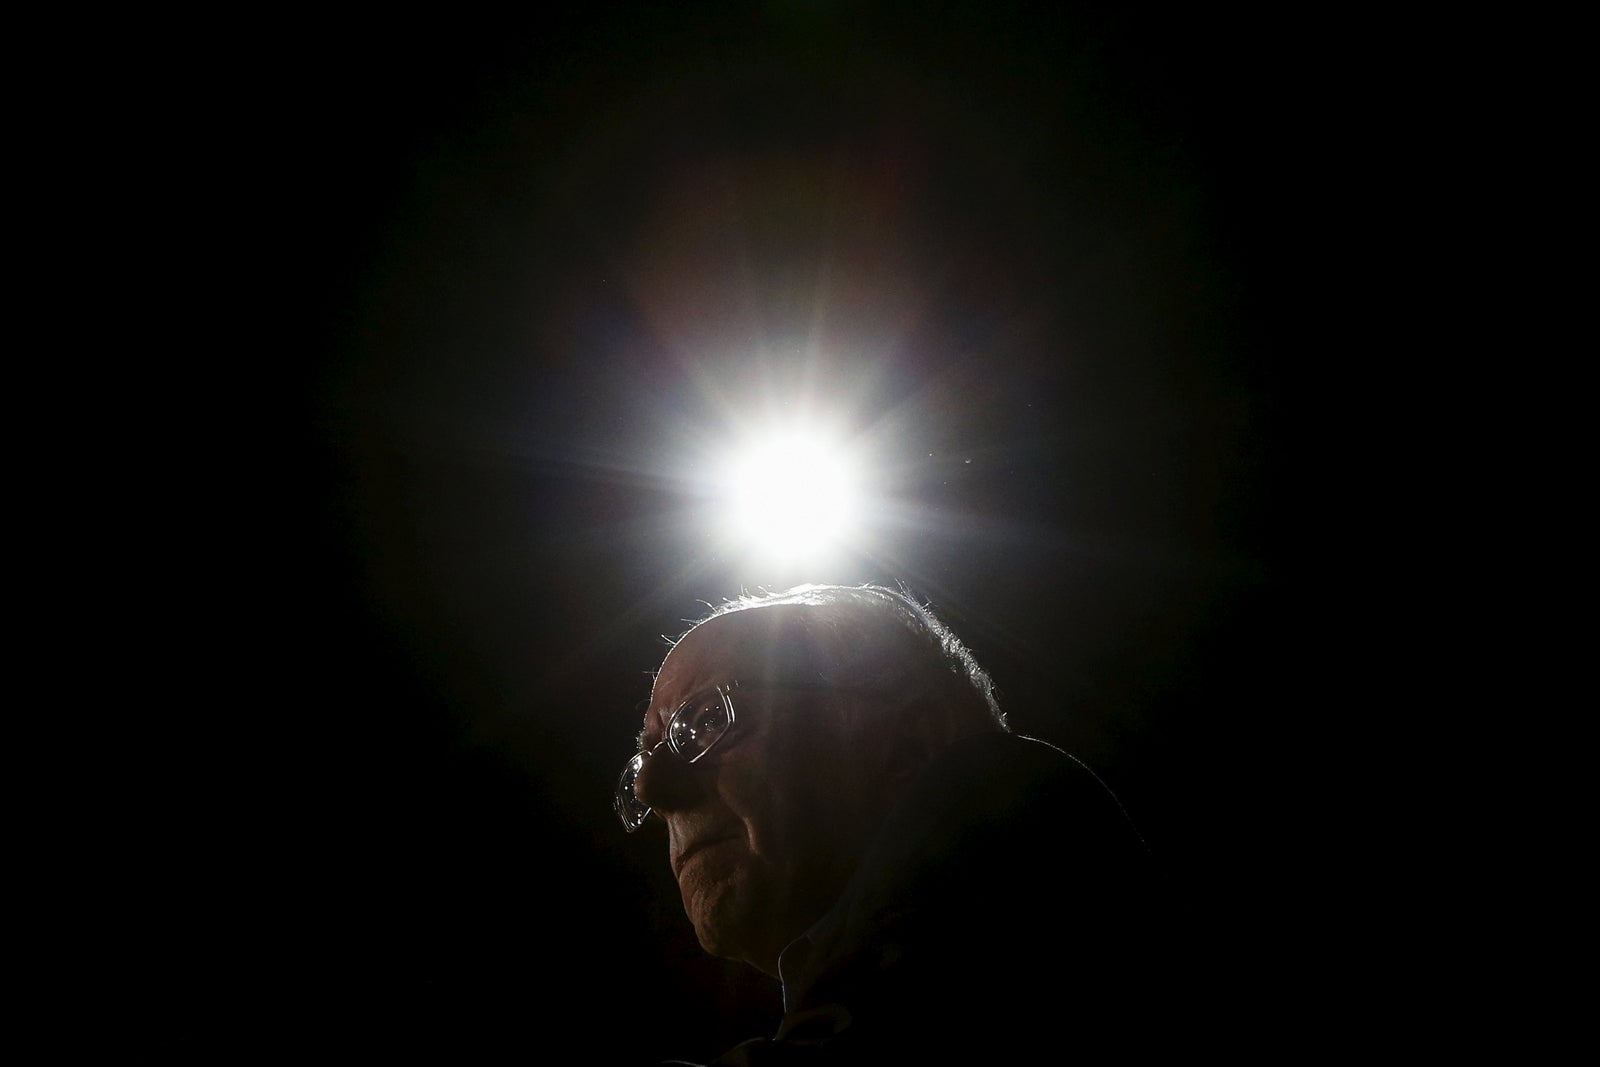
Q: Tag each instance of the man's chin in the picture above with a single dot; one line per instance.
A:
(713, 910)
(723, 919)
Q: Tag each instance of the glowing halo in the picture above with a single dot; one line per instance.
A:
(792, 495)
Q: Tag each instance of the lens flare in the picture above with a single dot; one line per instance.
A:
(793, 496)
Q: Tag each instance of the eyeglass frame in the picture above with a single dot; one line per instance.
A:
(620, 802)
(630, 770)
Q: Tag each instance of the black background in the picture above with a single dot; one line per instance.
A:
(478, 296)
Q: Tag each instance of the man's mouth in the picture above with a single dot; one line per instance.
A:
(697, 846)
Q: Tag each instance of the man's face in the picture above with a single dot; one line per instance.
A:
(766, 828)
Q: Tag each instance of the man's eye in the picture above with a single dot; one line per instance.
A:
(699, 724)
(710, 719)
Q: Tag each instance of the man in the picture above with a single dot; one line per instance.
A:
(847, 811)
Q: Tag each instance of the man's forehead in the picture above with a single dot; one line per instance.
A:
(755, 644)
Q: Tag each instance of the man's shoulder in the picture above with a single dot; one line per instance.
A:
(1007, 802)
(1003, 861)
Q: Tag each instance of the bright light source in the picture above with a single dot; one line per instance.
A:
(793, 495)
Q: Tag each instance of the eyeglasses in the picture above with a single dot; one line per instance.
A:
(694, 729)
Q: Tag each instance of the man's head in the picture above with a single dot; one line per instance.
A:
(840, 696)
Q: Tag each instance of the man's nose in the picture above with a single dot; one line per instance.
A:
(665, 782)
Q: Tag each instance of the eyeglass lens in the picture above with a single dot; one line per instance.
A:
(698, 725)
(629, 808)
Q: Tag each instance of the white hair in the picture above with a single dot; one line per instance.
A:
(884, 639)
